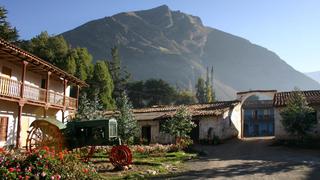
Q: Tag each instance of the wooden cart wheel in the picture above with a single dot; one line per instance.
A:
(44, 134)
(120, 156)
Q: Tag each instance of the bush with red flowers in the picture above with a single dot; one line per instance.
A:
(44, 164)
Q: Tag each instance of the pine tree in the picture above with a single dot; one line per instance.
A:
(127, 125)
(120, 77)
(102, 84)
(7, 32)
(213, 94)
(201, 91)
(208, 88)
(89, 108)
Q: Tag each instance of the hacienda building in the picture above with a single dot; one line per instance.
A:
(31, 88)
(252, 114)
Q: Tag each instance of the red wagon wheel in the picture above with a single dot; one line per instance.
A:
(120, 156)
(44, 134)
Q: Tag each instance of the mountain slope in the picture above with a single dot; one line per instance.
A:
(314, 75)
(174, 46)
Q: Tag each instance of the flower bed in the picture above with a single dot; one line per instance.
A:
(44, 164)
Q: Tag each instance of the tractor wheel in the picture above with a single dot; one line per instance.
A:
(120, 156)
(44, 134)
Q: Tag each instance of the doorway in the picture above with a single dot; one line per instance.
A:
(194, 134)
(146, 133)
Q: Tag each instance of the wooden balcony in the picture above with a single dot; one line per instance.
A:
(11, 89)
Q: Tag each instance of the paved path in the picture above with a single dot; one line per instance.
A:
(254, 159)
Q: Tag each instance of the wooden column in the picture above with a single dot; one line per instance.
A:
(23, 77)
(78, 94)
(65, 83)
(47, 95)
(47, 87)
(19, 125)
(21, 102)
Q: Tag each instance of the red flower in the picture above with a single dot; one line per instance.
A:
(11, 169)
(85, 170)
(61, 156)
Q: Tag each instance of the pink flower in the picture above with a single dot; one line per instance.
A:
(43, 174)
(52, 177)
(58, 177)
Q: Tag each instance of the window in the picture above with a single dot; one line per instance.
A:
(112, 129)
(3, 128)
(43, 83)
(6, 71)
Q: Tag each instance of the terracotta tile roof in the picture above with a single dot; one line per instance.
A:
(281, 98)
(22, 54)
(162, 112)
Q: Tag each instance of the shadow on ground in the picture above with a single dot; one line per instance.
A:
(252, 159)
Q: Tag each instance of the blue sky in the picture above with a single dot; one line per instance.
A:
(288, 27)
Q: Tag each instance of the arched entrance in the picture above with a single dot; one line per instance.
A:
(257, 113)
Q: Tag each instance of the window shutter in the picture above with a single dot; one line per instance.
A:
(3, 128)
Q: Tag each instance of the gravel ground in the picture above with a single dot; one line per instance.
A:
(253, 158)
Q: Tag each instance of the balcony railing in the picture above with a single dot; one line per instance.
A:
(12, 88)
(9, 87)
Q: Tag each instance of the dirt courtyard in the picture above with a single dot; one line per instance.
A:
(253, 158)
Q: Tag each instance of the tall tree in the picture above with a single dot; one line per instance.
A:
(159, 92)
(102, 84)
(136, 93)
(7, 32)
(185, 97)
(83, 61)
(213, 94)
(127, 124)
(201, 91)
(297, 117)
(119, 75)
(208, 88)
(53, 49)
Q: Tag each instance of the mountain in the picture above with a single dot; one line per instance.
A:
(314, 75)
(177, 47)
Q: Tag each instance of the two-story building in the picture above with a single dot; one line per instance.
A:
(31, 88)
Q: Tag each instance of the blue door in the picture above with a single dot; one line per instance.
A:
(258, 122)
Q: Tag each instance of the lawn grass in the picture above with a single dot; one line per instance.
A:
(146, 165)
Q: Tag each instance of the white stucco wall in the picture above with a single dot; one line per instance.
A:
(222, 126)
(236, 117)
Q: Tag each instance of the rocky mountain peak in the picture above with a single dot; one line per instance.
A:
(176, 47)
